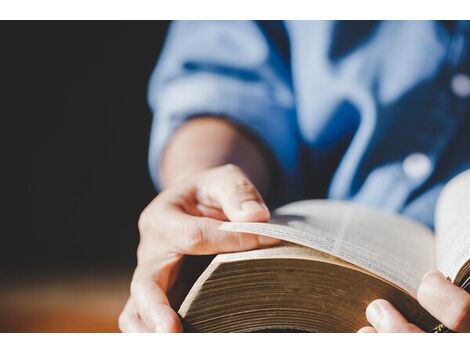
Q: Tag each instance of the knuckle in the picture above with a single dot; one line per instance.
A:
(237, 241)
(247, 242)
(150, 221)
(243, 187)
(143, 222)
(193, 236)
(460, 315)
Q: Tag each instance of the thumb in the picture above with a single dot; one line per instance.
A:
(238, 198)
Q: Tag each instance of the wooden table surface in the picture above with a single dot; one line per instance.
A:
(84, 303)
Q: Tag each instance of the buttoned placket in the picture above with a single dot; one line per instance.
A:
(447, 115)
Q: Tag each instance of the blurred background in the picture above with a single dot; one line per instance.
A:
(74, 169)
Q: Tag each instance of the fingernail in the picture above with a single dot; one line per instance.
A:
(374, 313)
(252, 205)
(267, 241)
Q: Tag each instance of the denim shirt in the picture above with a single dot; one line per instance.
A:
(373, 112)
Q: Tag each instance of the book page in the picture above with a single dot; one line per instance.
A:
(453, 228)
(395, 248)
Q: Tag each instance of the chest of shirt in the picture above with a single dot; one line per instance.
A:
(392, 98)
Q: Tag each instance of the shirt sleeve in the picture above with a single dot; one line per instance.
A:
(231, 69)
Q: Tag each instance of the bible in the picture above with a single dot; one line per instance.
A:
(336, 257)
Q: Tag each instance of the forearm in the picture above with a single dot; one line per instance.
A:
(207, 142)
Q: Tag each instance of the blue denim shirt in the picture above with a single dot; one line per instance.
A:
(373, 112)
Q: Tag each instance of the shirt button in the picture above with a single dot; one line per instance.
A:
(461, 85)
(417, 165)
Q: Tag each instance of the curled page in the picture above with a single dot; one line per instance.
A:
(453, 228)
(390, 246)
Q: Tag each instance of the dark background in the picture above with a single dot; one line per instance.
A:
(74, 142)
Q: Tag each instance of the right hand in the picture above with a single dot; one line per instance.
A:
(182, 220)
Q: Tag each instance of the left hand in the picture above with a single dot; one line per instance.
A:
(446, 302)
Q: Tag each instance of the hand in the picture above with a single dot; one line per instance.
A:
(181, 220)
(446, 302)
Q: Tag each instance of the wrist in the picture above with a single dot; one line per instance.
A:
(206, 142)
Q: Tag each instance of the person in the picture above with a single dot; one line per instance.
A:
(372, 112)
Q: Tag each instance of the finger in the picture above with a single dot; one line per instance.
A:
(211, 212)
(229, 188)
(152, 303)
(367, 329)
(130, 321)
(445, 301)
(385, 318)
(199, 235)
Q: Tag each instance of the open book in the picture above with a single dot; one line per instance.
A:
(337, 258)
